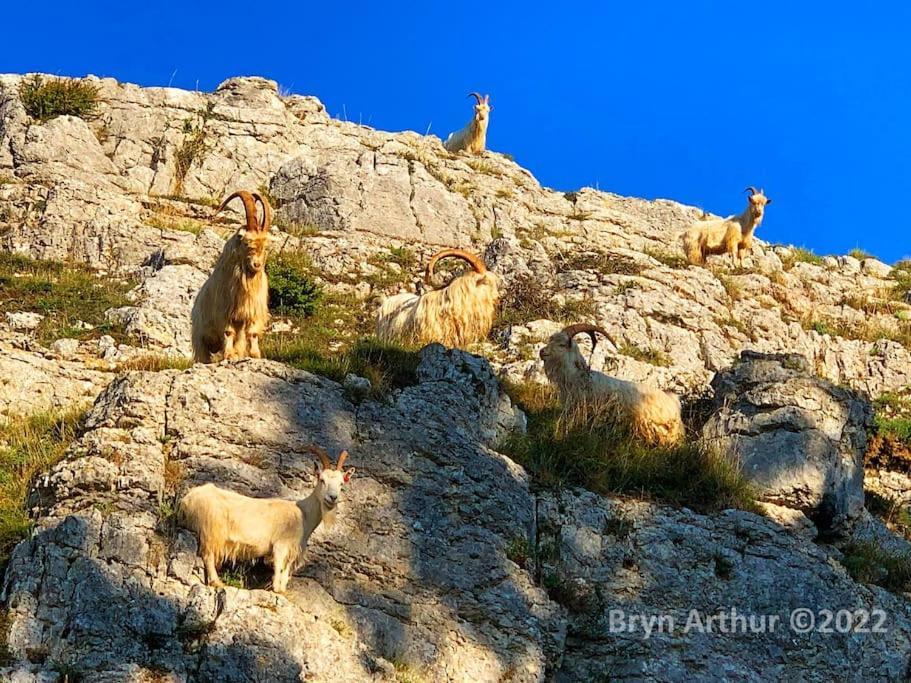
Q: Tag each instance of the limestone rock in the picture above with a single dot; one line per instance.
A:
(799, 438)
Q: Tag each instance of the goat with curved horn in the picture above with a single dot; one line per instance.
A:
(456, 315)
(477, 264)
(653, 415)
(231, 310)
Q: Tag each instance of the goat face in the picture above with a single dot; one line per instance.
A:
(562, 358)
(481, 112)
(758, 202)
(330, 485)
(253, 245)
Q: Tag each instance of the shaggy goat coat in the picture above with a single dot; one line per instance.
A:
(232, 527)
(732, 235)
(457, 315)
(473, 137)
(231, 310)
(653, 415)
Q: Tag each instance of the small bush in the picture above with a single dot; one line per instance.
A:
(600, 455)
(28, 446)
(45, 99)
(603, 262)
(868, 562)
(292, 289)
(193, 147)
(528, 298)
(860, 254)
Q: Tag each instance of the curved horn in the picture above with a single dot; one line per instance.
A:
(249, 208)
(572, 330)
(477, 96)
(266, 222)
(476, 261)
(322, 455)
(752, 190)
(341, 460)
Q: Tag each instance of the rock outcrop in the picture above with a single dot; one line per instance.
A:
(798, 437)
(421, 572)
(446, 563)
(133, 189)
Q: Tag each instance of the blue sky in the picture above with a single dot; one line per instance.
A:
(690, 101)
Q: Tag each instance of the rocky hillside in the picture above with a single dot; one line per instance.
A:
(449, 561)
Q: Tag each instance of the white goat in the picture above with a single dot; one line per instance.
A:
(233, 527)
(473, 137)
(653, 414)
(457, 315)
(732, 235)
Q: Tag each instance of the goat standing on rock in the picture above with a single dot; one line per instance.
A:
(455, 316)
(473, 137)
(733, 235)
(231, 310)
(234, 527)
(653, 414)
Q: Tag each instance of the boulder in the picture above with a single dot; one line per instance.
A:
(799, 438)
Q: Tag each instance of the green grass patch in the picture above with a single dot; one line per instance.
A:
(599, 454)
(868, 562)
(293, 291)
(28, 447)
(801, 255)
(47, 98)
(649, 355)
(64, 293)
(675, 261)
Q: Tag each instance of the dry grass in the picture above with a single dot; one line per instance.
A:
(594, 451)
(47, 98)
(649, 355)
(29, 446)
(64, 294)
(154, 362)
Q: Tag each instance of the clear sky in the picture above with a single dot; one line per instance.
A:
(686, 100)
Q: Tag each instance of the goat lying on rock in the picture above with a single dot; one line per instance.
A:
(233, 527)
(457, 315)
(733, 235)
(473, 137)
(231, 309)
(653, 414)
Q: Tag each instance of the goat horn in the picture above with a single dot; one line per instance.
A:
(322, 455)
(752, 190)
(476, 261)
(572, 330)
(477, 96)
(341, 460)
(249, 208)
(266, 222)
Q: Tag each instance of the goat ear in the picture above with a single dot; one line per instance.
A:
(348, 474)
(768, 201)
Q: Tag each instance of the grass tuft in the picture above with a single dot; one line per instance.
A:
(868, 562)
(562, 449)
(47, 98)
(64, 294)
(29, 446)
(528, 298)
(650, 355)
